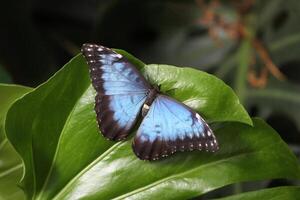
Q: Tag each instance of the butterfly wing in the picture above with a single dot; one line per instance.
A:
(121, 90)
(171, 126)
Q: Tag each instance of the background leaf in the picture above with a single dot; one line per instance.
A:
(66, 158)
(46, 120)
(280, 97)
(10, 162)
(4, 77)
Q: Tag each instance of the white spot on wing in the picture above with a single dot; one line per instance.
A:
(116, 55)
(90, 45)
(209, 133)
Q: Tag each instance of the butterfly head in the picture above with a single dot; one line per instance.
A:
(157, 87)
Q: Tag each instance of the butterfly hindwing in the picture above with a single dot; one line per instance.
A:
(121, 90)
(170, 126)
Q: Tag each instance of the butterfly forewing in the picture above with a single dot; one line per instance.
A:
(170, 126)
(121, 90)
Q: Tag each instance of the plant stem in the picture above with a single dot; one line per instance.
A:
(244, 56)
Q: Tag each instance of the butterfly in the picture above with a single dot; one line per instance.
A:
(123, 94)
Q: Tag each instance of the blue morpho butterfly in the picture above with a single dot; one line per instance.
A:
(122, 93)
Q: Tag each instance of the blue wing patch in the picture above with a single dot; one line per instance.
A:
(170, 126)
(121, 90)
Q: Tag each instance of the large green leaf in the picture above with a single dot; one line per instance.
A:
(10, 162)
(54, 130)
(279, 193)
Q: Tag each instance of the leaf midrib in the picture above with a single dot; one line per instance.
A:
(10, 170)
(3, 143)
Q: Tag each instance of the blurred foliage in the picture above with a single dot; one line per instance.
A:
(4, 76)
(40, 36)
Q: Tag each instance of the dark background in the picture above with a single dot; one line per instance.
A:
(39, 37)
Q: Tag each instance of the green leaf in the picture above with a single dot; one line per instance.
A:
(40, 118)
(279, 193)
(10, 162)
(201, 91)
(54, 130)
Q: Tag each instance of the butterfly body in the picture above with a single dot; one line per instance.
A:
(151, 95)
(123, 94)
